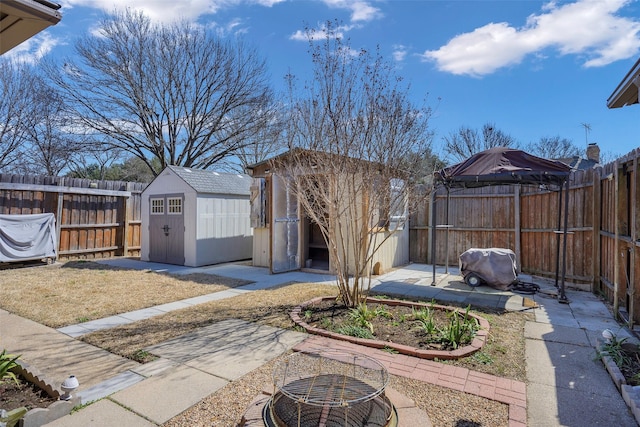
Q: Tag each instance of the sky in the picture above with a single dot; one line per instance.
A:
(532, 69)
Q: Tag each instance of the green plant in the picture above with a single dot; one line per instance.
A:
(423, 313)
(82, 406)
(82, 319)
(326, 323)
(461, 328)
(7, 363)
(424, 317)
(482, 358)
(390, 350)
(613, 349)
(362, 316)
(381, 311)
(355, 331)
(428, 326)
(141, 354)
(308, 314)
(13, 417)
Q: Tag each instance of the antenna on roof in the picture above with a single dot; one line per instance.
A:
(587, 129)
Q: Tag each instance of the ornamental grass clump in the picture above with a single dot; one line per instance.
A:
(7, 363)
(461, 329)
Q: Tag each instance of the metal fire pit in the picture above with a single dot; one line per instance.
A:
(329, 388)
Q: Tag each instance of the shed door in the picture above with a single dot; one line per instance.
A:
(285, 225)
(166, 229)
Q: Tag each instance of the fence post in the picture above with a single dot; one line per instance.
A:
(125, 230)
(616, 240)
(597, 228)
(59, 214)
(517, 228)
(632, 247)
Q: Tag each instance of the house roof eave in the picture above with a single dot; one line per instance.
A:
(626, 93)
(23, 19)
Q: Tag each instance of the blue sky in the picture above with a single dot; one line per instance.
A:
(533, 68)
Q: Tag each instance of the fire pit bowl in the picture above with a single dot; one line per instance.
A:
(329, 388)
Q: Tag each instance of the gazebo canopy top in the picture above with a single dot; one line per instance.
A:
(502, 166)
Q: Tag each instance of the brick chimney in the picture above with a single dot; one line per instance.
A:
(593, 152)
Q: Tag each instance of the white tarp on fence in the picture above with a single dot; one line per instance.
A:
(27, 237)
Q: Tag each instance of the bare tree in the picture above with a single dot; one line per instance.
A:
(50, 145)
(355, 142)
(17, 81)
(261, 145)
(174, 92)
(554, 148)
(466, 142)
(95, 161)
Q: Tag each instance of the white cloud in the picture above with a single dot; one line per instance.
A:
(168, 10)
(361, 11)
(399, 52)
(320, 33)
(589, 28)
(33, 49)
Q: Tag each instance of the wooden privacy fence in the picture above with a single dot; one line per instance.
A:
(94, 219)
(100, 219)
(603, 235)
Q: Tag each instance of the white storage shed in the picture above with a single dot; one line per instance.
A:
(196, 217)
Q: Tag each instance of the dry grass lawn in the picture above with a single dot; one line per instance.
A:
(78, 291)
(64, 294)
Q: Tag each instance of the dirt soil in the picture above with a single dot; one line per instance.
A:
(394, 324)
(25, 394)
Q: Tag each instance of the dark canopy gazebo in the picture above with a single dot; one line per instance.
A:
(507, 166)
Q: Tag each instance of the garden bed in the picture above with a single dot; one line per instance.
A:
(425, 330)
(35, 393)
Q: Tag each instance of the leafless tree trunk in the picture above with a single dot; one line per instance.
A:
(171, 92)
(356, 141)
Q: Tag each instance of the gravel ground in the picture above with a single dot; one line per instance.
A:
(445, 407)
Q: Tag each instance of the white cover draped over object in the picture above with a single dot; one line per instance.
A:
(27, 237)
(496, 266)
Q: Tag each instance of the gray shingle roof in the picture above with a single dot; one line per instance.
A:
(204, 181)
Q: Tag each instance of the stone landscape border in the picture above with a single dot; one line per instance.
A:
(478, 342)
(37, 417)
(630, 394)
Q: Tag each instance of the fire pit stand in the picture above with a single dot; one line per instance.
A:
(329, 388)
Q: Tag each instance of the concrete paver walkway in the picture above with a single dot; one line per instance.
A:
(567, 386)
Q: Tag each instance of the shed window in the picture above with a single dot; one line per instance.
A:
(394, 213)
(157, 206)
(175, 205)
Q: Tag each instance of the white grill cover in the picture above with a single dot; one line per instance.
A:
(496, 266)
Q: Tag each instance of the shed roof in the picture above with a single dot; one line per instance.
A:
(210, 182)
(626, 93)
